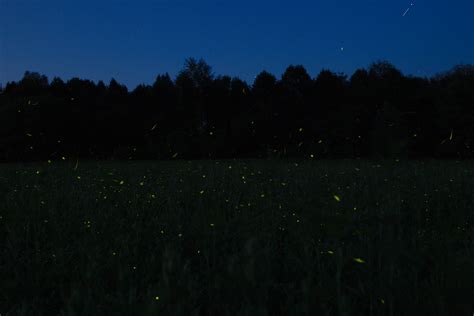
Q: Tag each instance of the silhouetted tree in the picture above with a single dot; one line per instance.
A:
(293, 108)
(385, 81)
(32, 84)
(240, 114)
(455, 107)
(264, 91)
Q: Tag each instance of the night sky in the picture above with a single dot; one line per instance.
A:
(133, 41)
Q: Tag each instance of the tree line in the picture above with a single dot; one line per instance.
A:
(377, 112)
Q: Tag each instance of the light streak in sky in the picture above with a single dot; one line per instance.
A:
(408, 9)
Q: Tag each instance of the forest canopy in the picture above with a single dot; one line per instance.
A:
(376, 112)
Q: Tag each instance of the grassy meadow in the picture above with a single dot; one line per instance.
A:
(237, 237)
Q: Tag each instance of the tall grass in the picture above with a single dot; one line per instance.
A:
(244, 237)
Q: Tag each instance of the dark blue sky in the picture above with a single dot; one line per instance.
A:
(135, 40)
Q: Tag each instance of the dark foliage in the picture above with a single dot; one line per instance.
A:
(377, 112)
